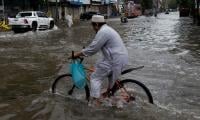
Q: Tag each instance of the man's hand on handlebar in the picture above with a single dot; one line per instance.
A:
(76, 55)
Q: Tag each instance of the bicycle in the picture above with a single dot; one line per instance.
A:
(136, 91)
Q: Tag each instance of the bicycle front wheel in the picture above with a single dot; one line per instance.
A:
(136, 90)
(64, 86)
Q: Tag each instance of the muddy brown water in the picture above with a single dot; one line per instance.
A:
(168, 47)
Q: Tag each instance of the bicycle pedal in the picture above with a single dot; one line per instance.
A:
(132, 98)
(70, 92)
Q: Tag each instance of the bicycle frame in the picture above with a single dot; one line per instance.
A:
(124, 94)
(90, 70)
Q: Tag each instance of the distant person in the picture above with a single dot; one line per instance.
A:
(63, 15)
(69, 20)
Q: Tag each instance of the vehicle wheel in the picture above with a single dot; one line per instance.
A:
(88, 18)
(51, 25)
(124, 20)
(34, 26)
(137, 91)
(16, 30)
(63, 85)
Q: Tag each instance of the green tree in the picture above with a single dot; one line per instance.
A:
(193, 5)
(146, 4)
(185, 3)
(172, 4)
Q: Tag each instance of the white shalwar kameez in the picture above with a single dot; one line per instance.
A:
(115, 58)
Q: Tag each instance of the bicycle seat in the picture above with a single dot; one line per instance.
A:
(131, 69)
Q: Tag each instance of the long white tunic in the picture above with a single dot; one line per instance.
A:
(115, 58)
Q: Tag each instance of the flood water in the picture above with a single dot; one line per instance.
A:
(168, 47)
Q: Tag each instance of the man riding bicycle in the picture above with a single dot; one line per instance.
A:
(115, 56)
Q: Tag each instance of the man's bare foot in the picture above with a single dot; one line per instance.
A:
(106, 94)
(94, 102)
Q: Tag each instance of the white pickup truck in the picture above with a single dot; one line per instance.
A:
(31, 20)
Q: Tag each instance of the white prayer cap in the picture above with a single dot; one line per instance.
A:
(98, 19)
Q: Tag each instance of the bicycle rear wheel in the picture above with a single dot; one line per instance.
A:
(136, 90)
(64, 86)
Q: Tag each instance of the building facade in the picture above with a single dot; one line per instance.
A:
(58, 9)
(76, 7)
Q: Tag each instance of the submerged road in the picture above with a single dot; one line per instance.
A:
(168, 47)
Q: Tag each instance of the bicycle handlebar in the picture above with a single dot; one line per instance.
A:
(73, 57)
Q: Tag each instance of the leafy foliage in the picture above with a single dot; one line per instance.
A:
(147, 4)
(185, 3)
(172, 4)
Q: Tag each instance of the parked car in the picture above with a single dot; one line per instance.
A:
(88, 15)
(123, 18)
(31, 20)
(167, 12)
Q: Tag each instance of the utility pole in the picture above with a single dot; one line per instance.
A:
(155, 7)
(56, 10)
(157, 2)
(3, 8)
(166, 5)
(198, 14)
(194, 11)
(47, 5)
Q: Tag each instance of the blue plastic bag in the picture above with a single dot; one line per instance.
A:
(78, 74)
